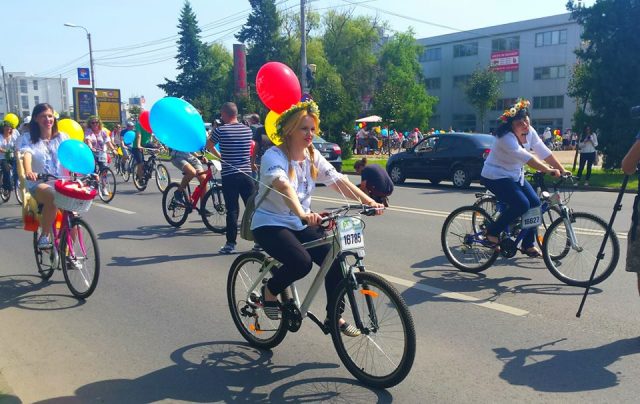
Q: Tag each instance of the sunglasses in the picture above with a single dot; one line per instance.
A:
(95, 123)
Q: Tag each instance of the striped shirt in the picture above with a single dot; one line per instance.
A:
(235, 147)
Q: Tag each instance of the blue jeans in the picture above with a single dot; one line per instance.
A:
(519, 199)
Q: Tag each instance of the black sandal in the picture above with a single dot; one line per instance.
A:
(272, 309)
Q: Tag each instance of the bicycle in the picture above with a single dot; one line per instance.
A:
(382, 355)
(569, 248)
(488, 201)
(214, 218)
(106, 178)
(151, 168)
(5, 194)
(73, 238)
(122, 165)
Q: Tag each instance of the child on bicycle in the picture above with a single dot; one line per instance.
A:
(191, 166)
(503, 171)
(288, 176)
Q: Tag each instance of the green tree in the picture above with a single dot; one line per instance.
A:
(188, 83)
(482, 91)
(610, 81)
(261, 35)
(134, 112)
(401, 94)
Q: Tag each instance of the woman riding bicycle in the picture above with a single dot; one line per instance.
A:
(503, 171)
(288, 176)
(98, 141)
(41, 157)
(7, 158)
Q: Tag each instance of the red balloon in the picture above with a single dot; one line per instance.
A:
(277, 86)
(144, 121)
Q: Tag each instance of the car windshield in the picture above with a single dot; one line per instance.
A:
(318, 139)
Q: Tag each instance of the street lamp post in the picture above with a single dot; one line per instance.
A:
(92, 71)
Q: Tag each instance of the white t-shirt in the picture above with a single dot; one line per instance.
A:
(7, 144)
(273, 211)
(507, 157)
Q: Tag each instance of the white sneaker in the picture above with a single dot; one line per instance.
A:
(74, 264)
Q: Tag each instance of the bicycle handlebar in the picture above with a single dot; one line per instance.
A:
(336, 213)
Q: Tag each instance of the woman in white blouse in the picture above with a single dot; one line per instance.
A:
(587, 146)
(289, 173)
(503, 171)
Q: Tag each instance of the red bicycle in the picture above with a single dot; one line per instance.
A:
(211, 207)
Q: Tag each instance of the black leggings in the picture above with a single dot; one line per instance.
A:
(234, 186)
(285, 245)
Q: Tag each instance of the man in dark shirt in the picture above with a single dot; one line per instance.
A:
(234, 140)
(374, 181)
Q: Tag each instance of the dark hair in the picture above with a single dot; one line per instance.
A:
(360, 163)
(34, 128)
(505, 127)
(230, 109)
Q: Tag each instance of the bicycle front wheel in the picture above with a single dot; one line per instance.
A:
(47, 260)
(573, 263)
(463, 241)
(382, 355)
(253, 324)
(162, 177)
(80, 259)
(175, 213)
(213, 211)
(107, 185)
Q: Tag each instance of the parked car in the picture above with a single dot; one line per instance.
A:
(458, 157)
(330, 151)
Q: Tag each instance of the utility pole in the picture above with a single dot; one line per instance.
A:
(93, 78)
(6, 93)
(303, 49)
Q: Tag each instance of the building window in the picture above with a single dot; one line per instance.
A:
(460, 81)
(464, 122)
(505, 44)
(503, 103)
(549, 72)
(23, 87)
(465, 49)
(432, 83)
(509, 76)
(35, 85)
(541, 124)
(36, 100)
(24, 99)
(548, 102)
(549, 38)
(430, 55)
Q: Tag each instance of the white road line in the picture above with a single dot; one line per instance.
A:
(455, 296)
(127, 212)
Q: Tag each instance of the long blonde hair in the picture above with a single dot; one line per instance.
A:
(292, 124)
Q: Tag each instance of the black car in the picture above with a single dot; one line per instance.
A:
(458, 157)
(330, 151)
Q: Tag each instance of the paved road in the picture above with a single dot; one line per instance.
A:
(158, 328)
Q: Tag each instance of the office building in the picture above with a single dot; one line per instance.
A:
(534, 59)
(24, 92)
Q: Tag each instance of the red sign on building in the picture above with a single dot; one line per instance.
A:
(505, 61)
(240, 69)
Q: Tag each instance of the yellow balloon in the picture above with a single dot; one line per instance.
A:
(270, 127)
(12, 119)
(71, 128)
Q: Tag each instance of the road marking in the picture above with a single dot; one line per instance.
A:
(127, 212)
(455, 296)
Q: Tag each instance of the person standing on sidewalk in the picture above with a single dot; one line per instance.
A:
(234, 140)
(587, 146)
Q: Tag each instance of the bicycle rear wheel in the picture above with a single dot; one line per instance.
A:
(47, 260)
(573, 264)
(81, 259)
(140, 182)
(463, 241)
(253, 324)
(382, 355)
(213, 211)
(127, 168)
(175, 213)
(162, 177)
(107, 185)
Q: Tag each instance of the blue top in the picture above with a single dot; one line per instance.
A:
(235, 147)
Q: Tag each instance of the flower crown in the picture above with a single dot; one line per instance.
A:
(310, 106)
(511, 112)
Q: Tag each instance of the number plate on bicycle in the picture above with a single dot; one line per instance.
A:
(350, 233)
(102, 158)
(532, 218)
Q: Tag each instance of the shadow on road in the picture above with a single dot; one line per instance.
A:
(154, 259)
(16, 291)
(10, 223)
(153, 232)
(558, 370)
(222, 371)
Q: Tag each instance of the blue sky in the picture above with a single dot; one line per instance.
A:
(134, 41)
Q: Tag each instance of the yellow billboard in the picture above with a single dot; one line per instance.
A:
(108, 104)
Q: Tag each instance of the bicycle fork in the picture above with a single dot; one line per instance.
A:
(567, 219)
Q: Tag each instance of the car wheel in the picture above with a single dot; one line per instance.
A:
(435, 181)
(460, 177)
(396, 174)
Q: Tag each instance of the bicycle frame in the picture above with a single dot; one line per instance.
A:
(335, 252)
(198, 192)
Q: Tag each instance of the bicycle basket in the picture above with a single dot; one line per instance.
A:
(73, 196)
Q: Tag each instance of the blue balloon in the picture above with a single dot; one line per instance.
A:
(178, 125)
(385, 132)
(128, 137)
(76, 157)
(217, 147)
